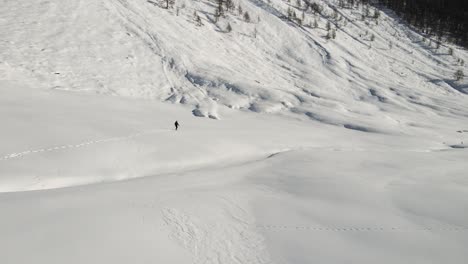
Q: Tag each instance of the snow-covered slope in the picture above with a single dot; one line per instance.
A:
(340, 150)
(270, 64)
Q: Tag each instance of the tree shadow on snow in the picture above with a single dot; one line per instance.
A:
(462, 88)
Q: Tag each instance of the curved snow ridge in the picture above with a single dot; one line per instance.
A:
(79, 145)
(50, 183)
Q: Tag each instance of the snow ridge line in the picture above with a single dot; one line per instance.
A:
(79, 145)
(360, 229)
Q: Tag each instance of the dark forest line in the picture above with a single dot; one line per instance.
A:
(442, 19)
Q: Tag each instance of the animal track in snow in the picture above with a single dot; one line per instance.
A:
(361, 229)
(79, 145)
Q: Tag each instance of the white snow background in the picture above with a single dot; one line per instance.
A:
(293, 148)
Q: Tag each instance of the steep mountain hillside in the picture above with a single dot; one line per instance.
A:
(376, 75)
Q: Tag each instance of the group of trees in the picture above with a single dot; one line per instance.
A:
(440, 18)
(443, 19)
(226, 6)
(222, 7)
(307, 6)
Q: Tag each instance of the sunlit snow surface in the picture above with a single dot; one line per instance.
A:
(317, 151)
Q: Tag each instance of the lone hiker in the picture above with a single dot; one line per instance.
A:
(176, 124)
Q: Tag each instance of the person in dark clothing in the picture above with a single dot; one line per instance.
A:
(176, 124)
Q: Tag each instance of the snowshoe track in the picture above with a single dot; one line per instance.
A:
(79, 145)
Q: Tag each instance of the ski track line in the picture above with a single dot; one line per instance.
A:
(79, 145)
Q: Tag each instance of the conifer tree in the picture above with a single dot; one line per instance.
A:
(239, 9)
(459, 74)
(246, 17)
(197, 19)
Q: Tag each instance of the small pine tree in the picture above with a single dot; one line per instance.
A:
(169, 3)
(197, 19)
(228, 28)
(246, 17)
(450, 51)
(333, 34)
(334, 15)
(376, 14)
(459, 74)
(366, 10)
(372, 38)
(316, 8)
(230, 6)
(315, 25)
(217, 15)
(219, 9)
(341, 3)
(239, 10)
(328, 27)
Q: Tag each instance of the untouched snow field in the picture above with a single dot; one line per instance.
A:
(312, 150)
